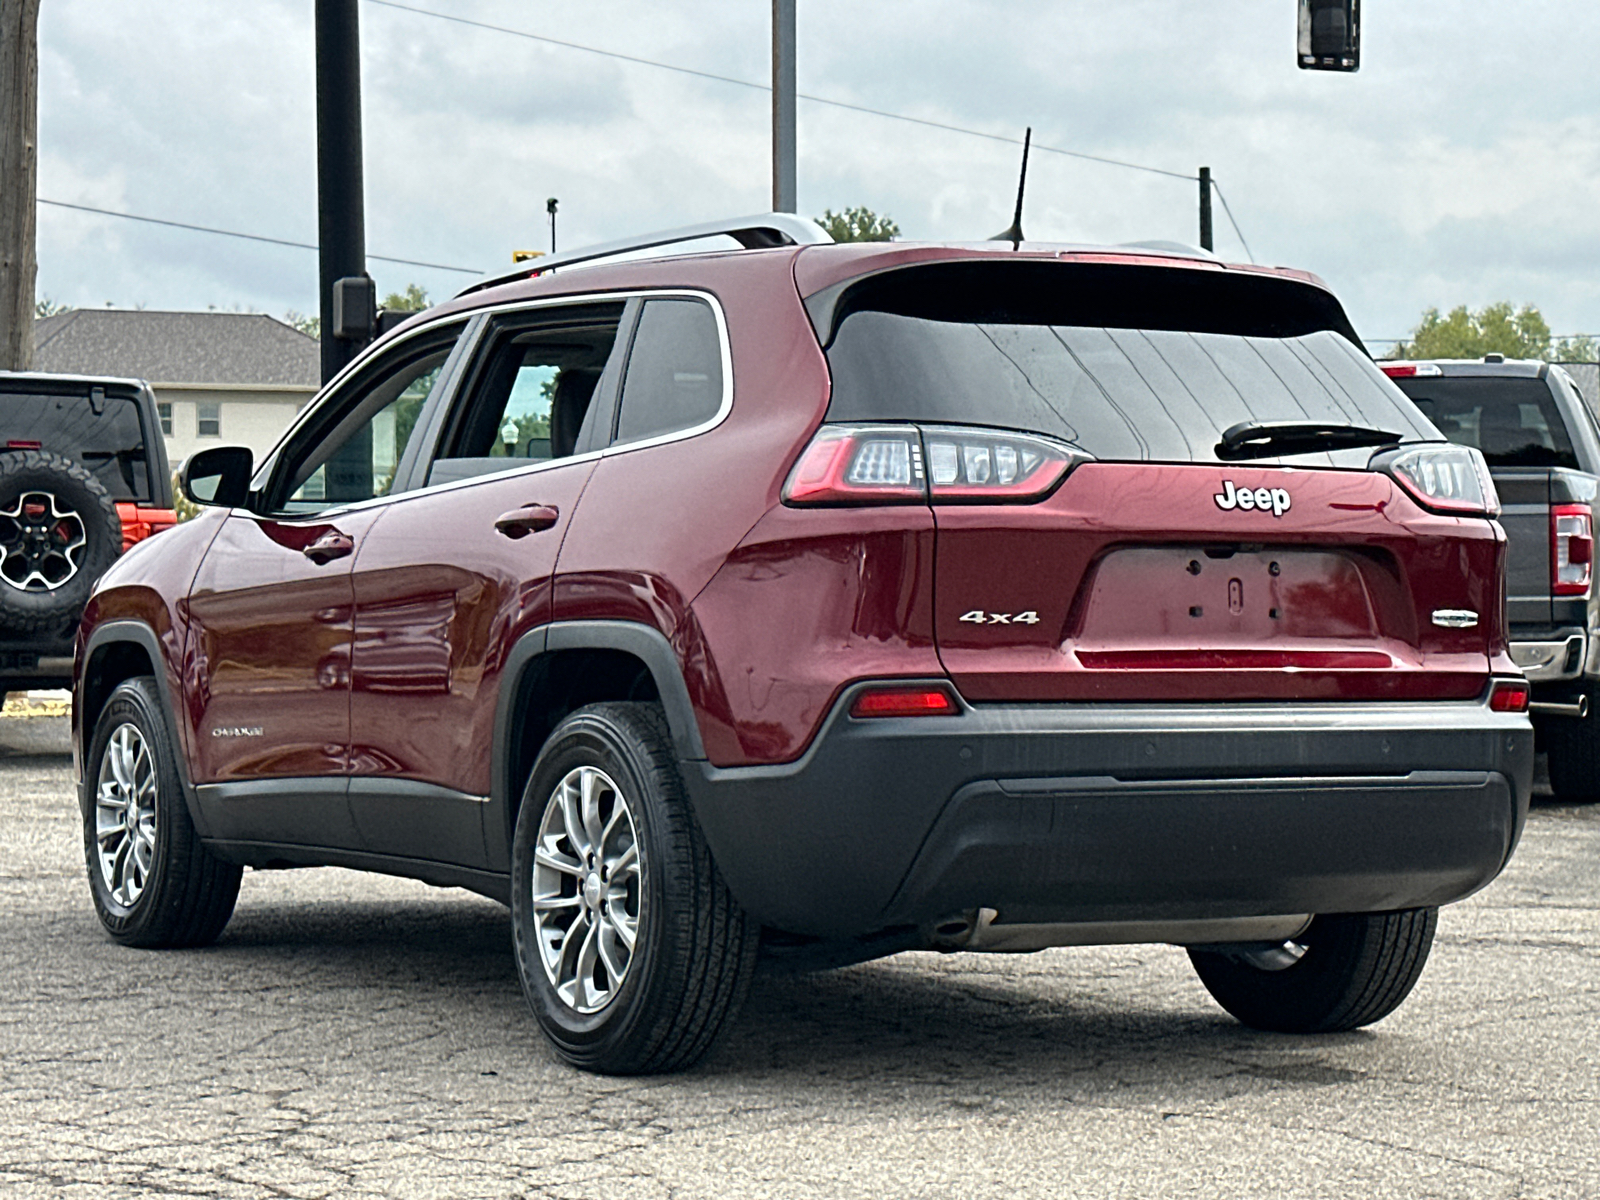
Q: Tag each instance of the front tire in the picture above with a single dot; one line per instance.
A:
(1343, 972)
(154, 884)
(632, 952)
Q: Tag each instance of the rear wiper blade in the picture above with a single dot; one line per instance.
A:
(1263, 439)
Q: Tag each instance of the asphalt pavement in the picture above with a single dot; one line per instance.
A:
(353, 1036)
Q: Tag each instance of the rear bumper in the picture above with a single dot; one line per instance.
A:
(1553, 656)
(1126, 813)
(41, 663)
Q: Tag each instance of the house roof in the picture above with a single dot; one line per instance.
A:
(177, 347)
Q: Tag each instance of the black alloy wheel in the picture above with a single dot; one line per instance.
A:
(59, 531)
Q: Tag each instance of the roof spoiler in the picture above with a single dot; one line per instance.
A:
(759, 232)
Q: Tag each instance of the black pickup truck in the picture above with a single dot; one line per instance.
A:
(1542, 443)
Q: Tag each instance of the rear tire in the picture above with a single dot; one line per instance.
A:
(154, 884)
(1573, 745)
(1351, 970)
(633, 954)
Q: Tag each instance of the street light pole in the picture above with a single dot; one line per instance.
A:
(784, 198)
(1205, 209)
(341, 220)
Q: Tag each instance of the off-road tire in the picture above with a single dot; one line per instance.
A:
(1356, 969)
(696, 948)
(27, 613)
(1573, 746)
(188, 894)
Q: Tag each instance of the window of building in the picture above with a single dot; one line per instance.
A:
(208, 422)
(164, 411)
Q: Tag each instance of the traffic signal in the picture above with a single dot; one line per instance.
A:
(1330, 35)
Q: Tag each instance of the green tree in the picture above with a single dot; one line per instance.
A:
(310, 326)
(46, 307)
(413, 299)
(858, 225)
(1494, 329)
(1581, 348)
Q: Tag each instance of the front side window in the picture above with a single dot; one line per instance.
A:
(674, 376)
(354, 452)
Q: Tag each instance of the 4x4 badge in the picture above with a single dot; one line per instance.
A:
(1272, 500)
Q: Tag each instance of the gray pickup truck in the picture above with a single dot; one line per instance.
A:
(1542, 443)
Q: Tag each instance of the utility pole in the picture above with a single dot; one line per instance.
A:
(784, 191)
(1205, 209)
(19, 124)
(341, 219)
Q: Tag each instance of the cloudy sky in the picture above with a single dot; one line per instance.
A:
(1460, 165)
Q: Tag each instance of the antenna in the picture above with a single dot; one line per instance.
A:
(1014, 233)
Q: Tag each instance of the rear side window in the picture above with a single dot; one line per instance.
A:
(534, 392)
(1152, 389)
(674, 376)
(102, 432)
(1514, 422)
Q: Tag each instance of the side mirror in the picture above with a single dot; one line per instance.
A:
(219, 476)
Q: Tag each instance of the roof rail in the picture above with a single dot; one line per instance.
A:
(753, 233)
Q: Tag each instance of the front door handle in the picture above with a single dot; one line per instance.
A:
(530, 518)
(328, 547)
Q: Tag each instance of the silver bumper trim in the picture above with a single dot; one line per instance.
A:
(1542, 662)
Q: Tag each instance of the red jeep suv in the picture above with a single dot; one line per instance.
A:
(835, 600)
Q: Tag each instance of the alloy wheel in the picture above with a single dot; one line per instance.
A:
(125, 815)
(41, 543)
(586, 889)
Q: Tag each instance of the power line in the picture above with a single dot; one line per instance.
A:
(252, 237)
(762, 87)
(649, 62)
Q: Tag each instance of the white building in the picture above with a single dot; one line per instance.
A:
(220, 378)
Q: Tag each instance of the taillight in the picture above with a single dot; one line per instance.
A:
(983, 465)
(1408, 370)
(23, 444)
(944, 464)
(1509, 695)
(904, 702)
(1444, 477)
(1571, 549)
(859, 464)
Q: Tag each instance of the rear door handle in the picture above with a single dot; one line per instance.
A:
(530, 518)
(328, 547)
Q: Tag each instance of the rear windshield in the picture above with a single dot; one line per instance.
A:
(1515, 422)
(1156, 392)
(102, 434)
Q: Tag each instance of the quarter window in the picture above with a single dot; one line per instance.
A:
(674, 377)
